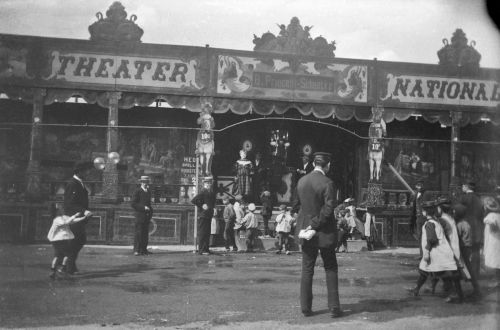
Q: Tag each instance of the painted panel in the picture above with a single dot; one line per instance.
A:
(440, 90)
(274, 78)
(109, 69)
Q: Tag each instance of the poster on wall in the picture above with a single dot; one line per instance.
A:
(279, 79)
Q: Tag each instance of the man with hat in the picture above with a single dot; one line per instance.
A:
(417, 220)
(474, 216)
(141, 203)
(76, 200)
(205, 201)
(317, 229)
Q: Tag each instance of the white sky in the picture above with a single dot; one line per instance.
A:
(391, 30)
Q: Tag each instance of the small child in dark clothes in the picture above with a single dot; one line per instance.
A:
(465, 240)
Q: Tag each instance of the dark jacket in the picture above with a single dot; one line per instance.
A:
(76, 199)
(141, 199)
(315, 203)
(205, 197)
(474, 215)
(416, 210)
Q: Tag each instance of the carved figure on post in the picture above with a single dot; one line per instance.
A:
(376, 133)
(205, 139)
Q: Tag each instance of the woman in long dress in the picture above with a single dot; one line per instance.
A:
(243, 179)
(492, 236)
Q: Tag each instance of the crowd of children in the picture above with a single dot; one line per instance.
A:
(447, 247)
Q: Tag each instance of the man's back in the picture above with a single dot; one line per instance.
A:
(474, 215)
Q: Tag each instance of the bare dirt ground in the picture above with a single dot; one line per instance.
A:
(176, 289)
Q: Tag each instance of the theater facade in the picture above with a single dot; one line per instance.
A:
(181, 115)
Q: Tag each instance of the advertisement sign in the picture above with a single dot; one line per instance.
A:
(291, 80)
(441, 90)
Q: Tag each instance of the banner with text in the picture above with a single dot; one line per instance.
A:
(273, 78)
(440, 90)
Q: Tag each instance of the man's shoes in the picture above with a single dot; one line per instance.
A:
(307, 313)
(147, 252)
(336, 312)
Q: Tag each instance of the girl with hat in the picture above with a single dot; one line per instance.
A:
(492, 236)
(438, 259)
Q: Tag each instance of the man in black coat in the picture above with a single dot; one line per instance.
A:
(417, 219)
(76, 200)
(315, 203)
(474, 215)
(205, 201)
(141, 203)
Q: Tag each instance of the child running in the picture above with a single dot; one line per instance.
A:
(60, 236)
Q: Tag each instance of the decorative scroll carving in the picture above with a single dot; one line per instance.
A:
(116, 26)
(294, 39)
(458, 57)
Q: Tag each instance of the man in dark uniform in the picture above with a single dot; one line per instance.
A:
(76, 200)
(417, 220)
(141, 203)
(315, 203)
(474, 214)
(205, 201)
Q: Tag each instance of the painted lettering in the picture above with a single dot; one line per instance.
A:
(123, 68)
(64, 63)
(417, 88)
(159, 73)
(442, 89)
(432, 85)
(495, 95)
(84, 65)
(481, 93)
(103, 66)
(455, 86)
(179, 69)
(402, 87)
(140, 66)
(468, 88)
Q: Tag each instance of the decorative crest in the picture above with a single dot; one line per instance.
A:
(116, 26)
(458, 57)
(294, 39)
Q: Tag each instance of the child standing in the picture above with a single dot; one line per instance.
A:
(60, 236)
(251, 224)
(283, 228)
(343, 231)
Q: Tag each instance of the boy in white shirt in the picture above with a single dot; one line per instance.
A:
(283, 227)
(60, 236)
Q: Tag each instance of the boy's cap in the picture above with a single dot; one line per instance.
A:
(251, 207)
(459, 209)
(282, 207)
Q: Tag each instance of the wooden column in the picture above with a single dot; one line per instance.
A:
(33, 173)
(455, 152)
(110, 173)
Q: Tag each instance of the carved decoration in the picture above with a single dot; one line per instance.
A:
(205, 145)
(116, 26)
(459, 57)
(376, 133)
(294, 39)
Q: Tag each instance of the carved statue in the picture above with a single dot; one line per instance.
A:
(376, 133)
(205, 139)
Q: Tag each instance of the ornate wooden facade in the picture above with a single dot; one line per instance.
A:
(124, 128)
